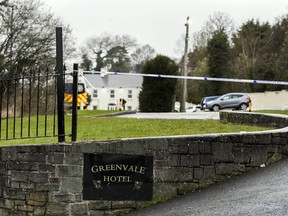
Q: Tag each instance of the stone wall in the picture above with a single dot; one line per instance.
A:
(47, 179)
(251, 118)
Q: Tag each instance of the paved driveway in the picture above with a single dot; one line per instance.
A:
(195, 115)
(263, 192)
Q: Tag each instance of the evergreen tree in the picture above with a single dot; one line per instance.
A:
(157, 93)
(218, 61)
(86, 63)
(253, 50)
(280, 52)
(118, 59)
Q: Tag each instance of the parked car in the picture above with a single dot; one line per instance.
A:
(232, 100)
(205, 100)
(189, 109)
(192, 109)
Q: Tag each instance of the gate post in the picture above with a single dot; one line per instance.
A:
(74, 102)
(60, 85)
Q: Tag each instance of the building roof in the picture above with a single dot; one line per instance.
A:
(113, 81)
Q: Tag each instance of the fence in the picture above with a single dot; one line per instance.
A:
(28, 104)
(32, 100)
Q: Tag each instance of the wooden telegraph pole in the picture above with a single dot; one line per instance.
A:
(183, 96)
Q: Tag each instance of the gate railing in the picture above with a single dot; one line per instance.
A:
(28, 104)
(32, 100)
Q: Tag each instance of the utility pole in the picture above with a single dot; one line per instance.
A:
(183, 96)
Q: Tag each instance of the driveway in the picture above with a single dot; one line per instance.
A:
(263, 192)
(195, 115)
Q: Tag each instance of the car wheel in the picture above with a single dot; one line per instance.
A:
(216, 108)
(243, 106)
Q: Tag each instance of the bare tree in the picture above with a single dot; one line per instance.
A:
(101, 47)
(179, 46)
(125, 41)
(101, 43)
(141, 55)
(28, 35)
(4, 2)
(218, 21)
(3, 5)
(98, 46)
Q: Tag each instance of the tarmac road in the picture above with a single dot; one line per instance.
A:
(259, 193)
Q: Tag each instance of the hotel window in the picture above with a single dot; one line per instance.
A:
(95, 93)
(130, 94)
(112, 93)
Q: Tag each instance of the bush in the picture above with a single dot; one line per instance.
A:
(157, 93)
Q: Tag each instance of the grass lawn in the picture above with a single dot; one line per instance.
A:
(90, 127)
(283, 112)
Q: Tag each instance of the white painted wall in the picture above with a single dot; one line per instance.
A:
(276, 100)
(104, 98)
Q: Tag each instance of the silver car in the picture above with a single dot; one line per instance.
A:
(232, 100)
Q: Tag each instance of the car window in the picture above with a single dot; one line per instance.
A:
(210, 99)
(236, 96)
(226, 97)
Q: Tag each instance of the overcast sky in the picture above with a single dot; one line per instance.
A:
(159, 23)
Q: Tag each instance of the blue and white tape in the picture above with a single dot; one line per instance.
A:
(271, 82)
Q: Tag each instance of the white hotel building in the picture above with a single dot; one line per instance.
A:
(107, 91)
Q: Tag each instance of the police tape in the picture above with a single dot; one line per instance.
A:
(89, 83)
(270, 82)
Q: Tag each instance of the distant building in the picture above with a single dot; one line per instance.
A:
(109, 92)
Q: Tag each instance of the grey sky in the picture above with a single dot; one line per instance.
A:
(159, 23)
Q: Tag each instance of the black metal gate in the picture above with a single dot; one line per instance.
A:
(27, 104)
(32, 101)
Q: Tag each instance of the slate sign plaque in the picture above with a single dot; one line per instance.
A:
(117, 177)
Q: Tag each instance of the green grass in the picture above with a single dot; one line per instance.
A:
(283, 112)
(90, 127)
(96, 112)
(114, 128)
